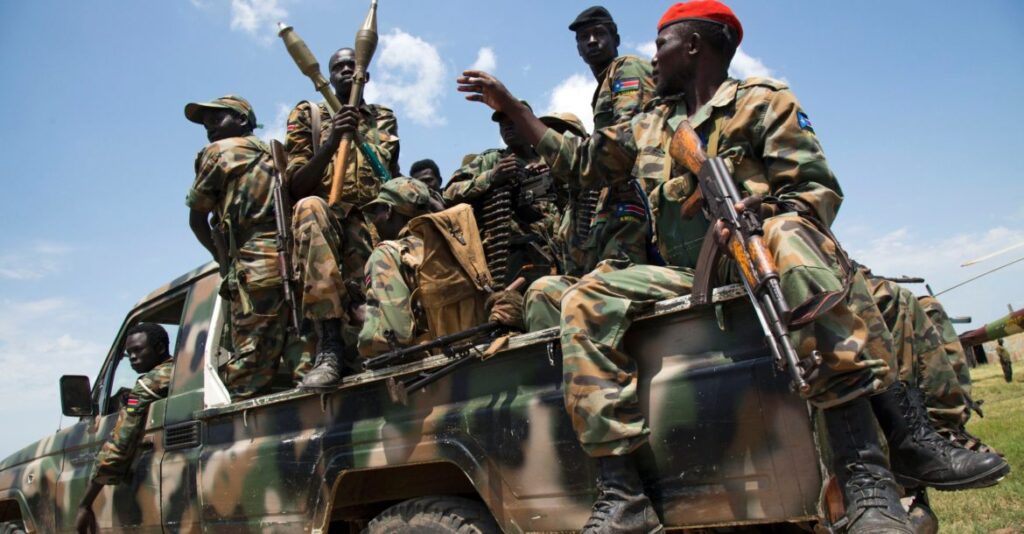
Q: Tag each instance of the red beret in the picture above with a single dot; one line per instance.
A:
(702, 10)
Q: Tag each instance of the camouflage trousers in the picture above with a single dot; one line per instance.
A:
(955, 352)
(260, 343)
(600, 379)
(920, 354)
(331, 246)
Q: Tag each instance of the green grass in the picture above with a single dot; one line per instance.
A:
(1001, 507)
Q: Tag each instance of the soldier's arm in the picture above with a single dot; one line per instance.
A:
(605, 158)
(632, 87)
(795, 163)
(202, 198)
(387, 126)
(472, 180)
(305, 171)
(389, 314)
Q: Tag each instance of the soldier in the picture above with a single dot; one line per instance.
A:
(494, 170)
(758, 126)
(146, 349)
(332, 243)
(1005, 361)
(621, 224)
(234, 183)
(574, 224)
(426, 171)
(393, 316)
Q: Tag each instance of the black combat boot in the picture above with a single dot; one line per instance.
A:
(869, 491)
(921, 456)
(326, 371)
(621, 506)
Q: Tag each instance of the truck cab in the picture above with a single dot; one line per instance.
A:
(489, 445)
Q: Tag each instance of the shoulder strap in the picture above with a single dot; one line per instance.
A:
(314, 124)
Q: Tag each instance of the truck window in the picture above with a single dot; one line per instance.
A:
(117, 377)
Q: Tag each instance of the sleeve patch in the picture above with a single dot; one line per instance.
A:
(625, 85)
(805, 121)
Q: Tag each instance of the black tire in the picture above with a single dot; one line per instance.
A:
(435, 515)
(12, 527)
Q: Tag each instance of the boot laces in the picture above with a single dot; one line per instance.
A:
(912, 406)
(868, 489)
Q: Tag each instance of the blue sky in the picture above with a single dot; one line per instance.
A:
(913, 102)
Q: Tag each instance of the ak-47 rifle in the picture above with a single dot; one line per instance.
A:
(282, 218)
(366, 45)
(745, 246)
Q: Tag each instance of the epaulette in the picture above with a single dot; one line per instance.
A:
(771, 83)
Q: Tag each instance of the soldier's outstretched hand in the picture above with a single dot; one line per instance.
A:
(483, 87)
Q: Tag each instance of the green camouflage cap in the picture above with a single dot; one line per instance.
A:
(194, 110)
(498, 116)
(563, 122)
(407, 196)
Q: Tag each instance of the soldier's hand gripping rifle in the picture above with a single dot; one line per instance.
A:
(745, 246)
(366, 45)
(282, 223)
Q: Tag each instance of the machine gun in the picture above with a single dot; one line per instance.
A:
(746, 247)
(282, 223)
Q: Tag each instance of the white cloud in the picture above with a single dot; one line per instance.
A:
(646, 50)
(486, 60)
(574, 95)
(34, 262)
(745, 66)
(904, 252)
(257, 17)
(409, 75)
(276, 129)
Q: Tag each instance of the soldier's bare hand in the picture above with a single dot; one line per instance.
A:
(508, 169)
(533, 169)
(483, 87)
(346, 121)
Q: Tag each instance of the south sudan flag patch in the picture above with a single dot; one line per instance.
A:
(133, 404)
(625, 85)
(805, 121)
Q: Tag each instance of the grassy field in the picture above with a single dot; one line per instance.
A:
(999, 508)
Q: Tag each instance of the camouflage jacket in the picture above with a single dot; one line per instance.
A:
(392, 315)
(234, 182)
(378, 129)
(626, 85)
(756, 125)
(115, 458)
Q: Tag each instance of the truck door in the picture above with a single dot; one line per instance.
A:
(134, 505)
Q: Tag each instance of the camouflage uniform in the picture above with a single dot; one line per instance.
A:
(920, 353)
(332, 244)
(955, 352)
(115, 458)
(1006, 362)
(471, 182)
(621, 228)
(234, 182)
(758, 127)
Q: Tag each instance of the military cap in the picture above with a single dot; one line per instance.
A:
(564, 121)
(590, 16)
(498, 116)
(407, 196)
(194, 110)
(709, 10)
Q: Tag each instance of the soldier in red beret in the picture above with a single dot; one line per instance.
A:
(768, 143)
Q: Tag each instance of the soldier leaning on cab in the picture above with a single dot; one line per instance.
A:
(146, 349)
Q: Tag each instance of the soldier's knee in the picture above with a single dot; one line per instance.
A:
(309, 207)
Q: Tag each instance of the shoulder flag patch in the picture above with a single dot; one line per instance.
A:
(132, 405)
(805, 121)
(625, 85)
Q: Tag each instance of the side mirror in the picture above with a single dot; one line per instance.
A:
(76, 396)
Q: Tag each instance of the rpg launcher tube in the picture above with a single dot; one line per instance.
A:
(365, 47)
(307, 63)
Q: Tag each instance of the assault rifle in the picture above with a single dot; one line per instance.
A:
(282, 222)
(746, 247)
(531, 188)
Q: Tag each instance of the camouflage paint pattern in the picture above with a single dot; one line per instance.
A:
(392, 313)
(1008, 325)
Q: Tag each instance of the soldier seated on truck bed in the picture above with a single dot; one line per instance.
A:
(146, 349)
(393, 314)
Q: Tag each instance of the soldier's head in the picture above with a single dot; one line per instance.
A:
(509, 133)
(341, 69)
(227, 116)
(698, 37)
(399, 201)
(426, 171)
(146, 346)
(597, 36)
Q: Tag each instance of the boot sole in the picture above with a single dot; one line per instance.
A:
(983, 480)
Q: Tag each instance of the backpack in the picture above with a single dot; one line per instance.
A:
(453, 280)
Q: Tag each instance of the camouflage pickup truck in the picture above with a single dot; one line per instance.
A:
(488, 448)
